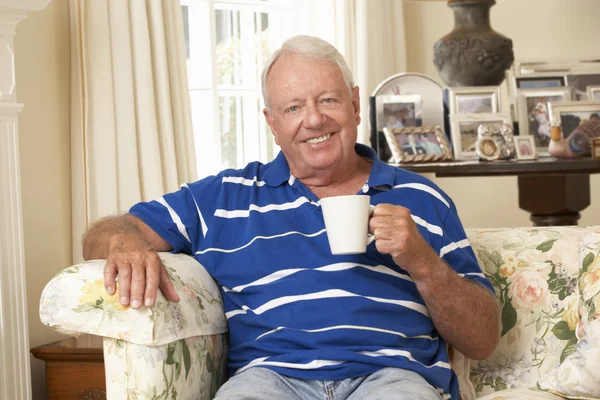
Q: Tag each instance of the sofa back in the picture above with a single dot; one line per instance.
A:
(535, 274)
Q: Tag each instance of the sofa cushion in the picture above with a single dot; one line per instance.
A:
(589, 282)
(75, 302)
(578, 375)
(534, 272)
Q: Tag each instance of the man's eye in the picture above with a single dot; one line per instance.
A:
(329, 100)
(292, 109)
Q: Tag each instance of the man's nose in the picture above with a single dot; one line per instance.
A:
(314, 118)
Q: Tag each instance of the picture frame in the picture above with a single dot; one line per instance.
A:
(569, 114)
(534, 113)
(525, 147)
(596, 148)
(406, 83)
(534, 81)
(474, 100)
(464, 129)
(487, 149)
(399, 111)
(418, 144)
(579, 80)
(593, 92)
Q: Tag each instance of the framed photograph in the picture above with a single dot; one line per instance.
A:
(418, 144)
(487, 149)
(464, 131)
(474, 100)
(596, 148)
(402, 111)
(536, 81)
(593, 92)
(579, 82)
(525, 147)
(431, 101)
(570, 114)
(534, 115)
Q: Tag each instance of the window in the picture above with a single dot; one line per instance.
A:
(228, 43)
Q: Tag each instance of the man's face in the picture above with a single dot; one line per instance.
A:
(313, 116)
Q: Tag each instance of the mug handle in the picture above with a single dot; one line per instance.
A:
(370, 236)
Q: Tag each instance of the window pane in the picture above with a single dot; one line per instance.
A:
(207, 145)
(199, 63)
(245, 135)
(231, 131)
(228, 47)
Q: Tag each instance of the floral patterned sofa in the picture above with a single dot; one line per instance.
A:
(170, 351)
(547, 282)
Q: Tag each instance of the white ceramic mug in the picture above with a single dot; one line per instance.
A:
(347, 223)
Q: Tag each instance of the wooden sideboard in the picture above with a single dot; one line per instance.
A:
(552, 190)
(74, 368)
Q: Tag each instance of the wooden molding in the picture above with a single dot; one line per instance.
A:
(15, 372)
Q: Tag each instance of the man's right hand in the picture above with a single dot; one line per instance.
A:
(139, 269)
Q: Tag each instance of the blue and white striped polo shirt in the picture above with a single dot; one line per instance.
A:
(291, 305)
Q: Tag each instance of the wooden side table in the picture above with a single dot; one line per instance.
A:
(552, 190)
(74, 368)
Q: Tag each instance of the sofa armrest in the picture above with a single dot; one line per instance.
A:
(75, 302)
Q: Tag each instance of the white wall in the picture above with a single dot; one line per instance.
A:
(539, 29)
(42, 69)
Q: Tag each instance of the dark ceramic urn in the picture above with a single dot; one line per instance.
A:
(473, 54)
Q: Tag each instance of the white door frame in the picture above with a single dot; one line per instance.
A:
(15, 374)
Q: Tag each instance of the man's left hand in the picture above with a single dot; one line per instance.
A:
(396, 234)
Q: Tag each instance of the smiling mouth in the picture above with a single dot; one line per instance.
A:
(319, 139)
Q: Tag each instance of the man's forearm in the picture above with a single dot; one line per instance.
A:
(465, 314)
(96, 241)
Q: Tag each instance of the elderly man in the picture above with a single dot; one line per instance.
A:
(304, 323)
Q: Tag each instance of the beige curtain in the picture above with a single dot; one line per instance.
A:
(131, 132)
(372, 38)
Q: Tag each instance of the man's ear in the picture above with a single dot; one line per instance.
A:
(271, 122)
(356, 103)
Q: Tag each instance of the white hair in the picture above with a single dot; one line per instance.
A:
(312, 48)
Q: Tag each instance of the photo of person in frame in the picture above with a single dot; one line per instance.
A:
(430, 143)
(411, 145)
(400, 115)
(524, 146)
(539, 118)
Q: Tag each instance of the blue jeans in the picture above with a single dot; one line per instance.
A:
(388, 383)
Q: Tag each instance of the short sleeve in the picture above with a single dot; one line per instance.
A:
(457, 252)
(176, 217)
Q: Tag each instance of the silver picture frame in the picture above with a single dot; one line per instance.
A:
(569, 114)
(533, 112)
(525, 147)
(580, 79)
(474, 100)
(464, 129)
(593, 92)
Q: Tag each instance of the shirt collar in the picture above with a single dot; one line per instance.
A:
(278, 172)
(382, 174)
